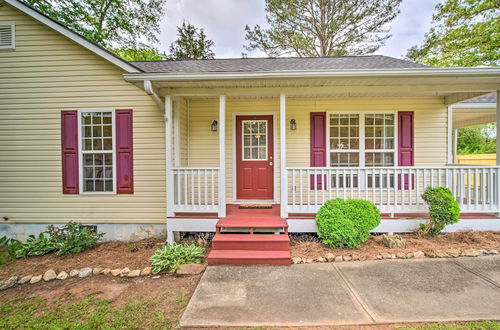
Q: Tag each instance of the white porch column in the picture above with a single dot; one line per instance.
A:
(498, 127)
(283, 176)
(222, 156)
(450, 133)
(168, 156)
(455, 146)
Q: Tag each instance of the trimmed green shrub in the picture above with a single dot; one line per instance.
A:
(443, 210)
(171, 256)
(346, 223)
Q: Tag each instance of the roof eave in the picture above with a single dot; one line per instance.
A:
(74, 36)
(409, 72)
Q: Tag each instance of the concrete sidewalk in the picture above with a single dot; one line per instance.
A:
(369, 292)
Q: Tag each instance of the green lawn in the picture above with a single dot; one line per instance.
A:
(481, 325)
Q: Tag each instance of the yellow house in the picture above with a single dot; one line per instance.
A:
(144, 148)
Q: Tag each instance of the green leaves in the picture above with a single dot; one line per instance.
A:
(110, 23)
(443, 210)
(311, 28)
(140, 54)
(171, 256)
(191, 44)
(463, 33)
(346, 223)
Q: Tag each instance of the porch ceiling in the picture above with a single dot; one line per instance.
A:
(464, 117)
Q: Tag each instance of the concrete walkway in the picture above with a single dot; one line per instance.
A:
(369, 292)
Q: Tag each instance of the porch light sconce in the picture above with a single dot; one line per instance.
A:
(213, 127)
(293, 124)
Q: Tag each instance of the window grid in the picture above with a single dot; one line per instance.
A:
(97, 151)
(254, 140)
(344, 140)
(379, 140)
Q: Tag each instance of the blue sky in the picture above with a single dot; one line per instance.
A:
(224, 22)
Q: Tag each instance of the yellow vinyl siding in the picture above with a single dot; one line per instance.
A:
(430, 140)
(45, 74)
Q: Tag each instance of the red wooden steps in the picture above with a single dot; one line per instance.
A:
(254, 242)
(249, 257)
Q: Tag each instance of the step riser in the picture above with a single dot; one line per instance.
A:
(262, 246)
(248, 262)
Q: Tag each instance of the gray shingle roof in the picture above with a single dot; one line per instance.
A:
(490, 98)
(276, 64)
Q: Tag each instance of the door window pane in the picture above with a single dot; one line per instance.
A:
(254, 139)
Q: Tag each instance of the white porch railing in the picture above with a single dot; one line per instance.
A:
(393, 189)
(196, 189)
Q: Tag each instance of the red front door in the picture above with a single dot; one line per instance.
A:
(254, 157)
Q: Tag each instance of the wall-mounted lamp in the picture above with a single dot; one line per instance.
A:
(213, 127)
(293, 124)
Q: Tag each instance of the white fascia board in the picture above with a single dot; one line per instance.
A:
(73, 36)
(474, 106)
(412, 72)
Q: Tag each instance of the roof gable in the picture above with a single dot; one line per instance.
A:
(93, 47)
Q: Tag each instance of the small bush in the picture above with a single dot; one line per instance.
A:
(9, 247)
(443, 210)
(171, 256)
(68, 239)
(346, 223)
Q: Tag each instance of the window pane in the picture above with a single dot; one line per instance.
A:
(86, 118)
(254, 140)
(97, 144)
(96, 118)
(344, 159)
(106, 118)
(108, 144)
(379, 159)
(107, 131)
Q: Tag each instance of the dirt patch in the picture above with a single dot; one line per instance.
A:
(373, 246)
(109, 254)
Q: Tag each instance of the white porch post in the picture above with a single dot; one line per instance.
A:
(450, 133)
(222, 156)
(455, 146)
(283, 176)
(168, 156)
(498, 127)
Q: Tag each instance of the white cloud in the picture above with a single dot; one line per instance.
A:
(224, 22)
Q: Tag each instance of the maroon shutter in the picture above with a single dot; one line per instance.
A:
(69, 144)
(405, 143)
(124, 152)
(318, 145)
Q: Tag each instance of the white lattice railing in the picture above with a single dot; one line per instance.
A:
(393, 189)
(196, 189)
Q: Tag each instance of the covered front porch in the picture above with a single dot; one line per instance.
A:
(399, 141)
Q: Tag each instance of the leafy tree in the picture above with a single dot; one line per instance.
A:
(476, 140)
(191, 44)
(463, 33)
(323, 27)
(140, 54)
(110, 23)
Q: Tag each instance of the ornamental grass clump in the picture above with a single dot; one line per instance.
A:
(171, 256)
(443, 210)
(346, 223)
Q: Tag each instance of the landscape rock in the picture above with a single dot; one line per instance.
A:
(329, 257)
(441, 254)
(418, 254)
(134, 273)
(8, 283)
(146, 271)
(430, 254)
(386, 255)
(470, 253)
(36, 279)
(124, 272)
(338, 258)
(409, 255)
(97, 271)
(106, 271)
(321, 259)
(62, 275)
(379, 257)
(84, 272)
(393, 256)
(400, 255)
(492, 251)
(156, 277)
(394, 241)
(24, 279)
(49, 275)
(296, 260)
(116, 272)
(483, 252)
(190, 269)
(309, 261)
(347, 258)
(371, 258)
(454, 253)
(356, 257)
(73, 273)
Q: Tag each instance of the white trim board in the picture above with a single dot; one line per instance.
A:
(73, 36)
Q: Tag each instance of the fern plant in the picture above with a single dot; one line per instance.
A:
(171, 256)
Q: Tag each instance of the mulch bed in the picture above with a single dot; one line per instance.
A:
(373, 246)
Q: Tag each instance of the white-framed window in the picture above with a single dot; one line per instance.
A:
(364, 139)
(7, 36)
(96, 136)
(254, 139)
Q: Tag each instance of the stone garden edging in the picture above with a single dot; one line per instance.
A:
(444, 253)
